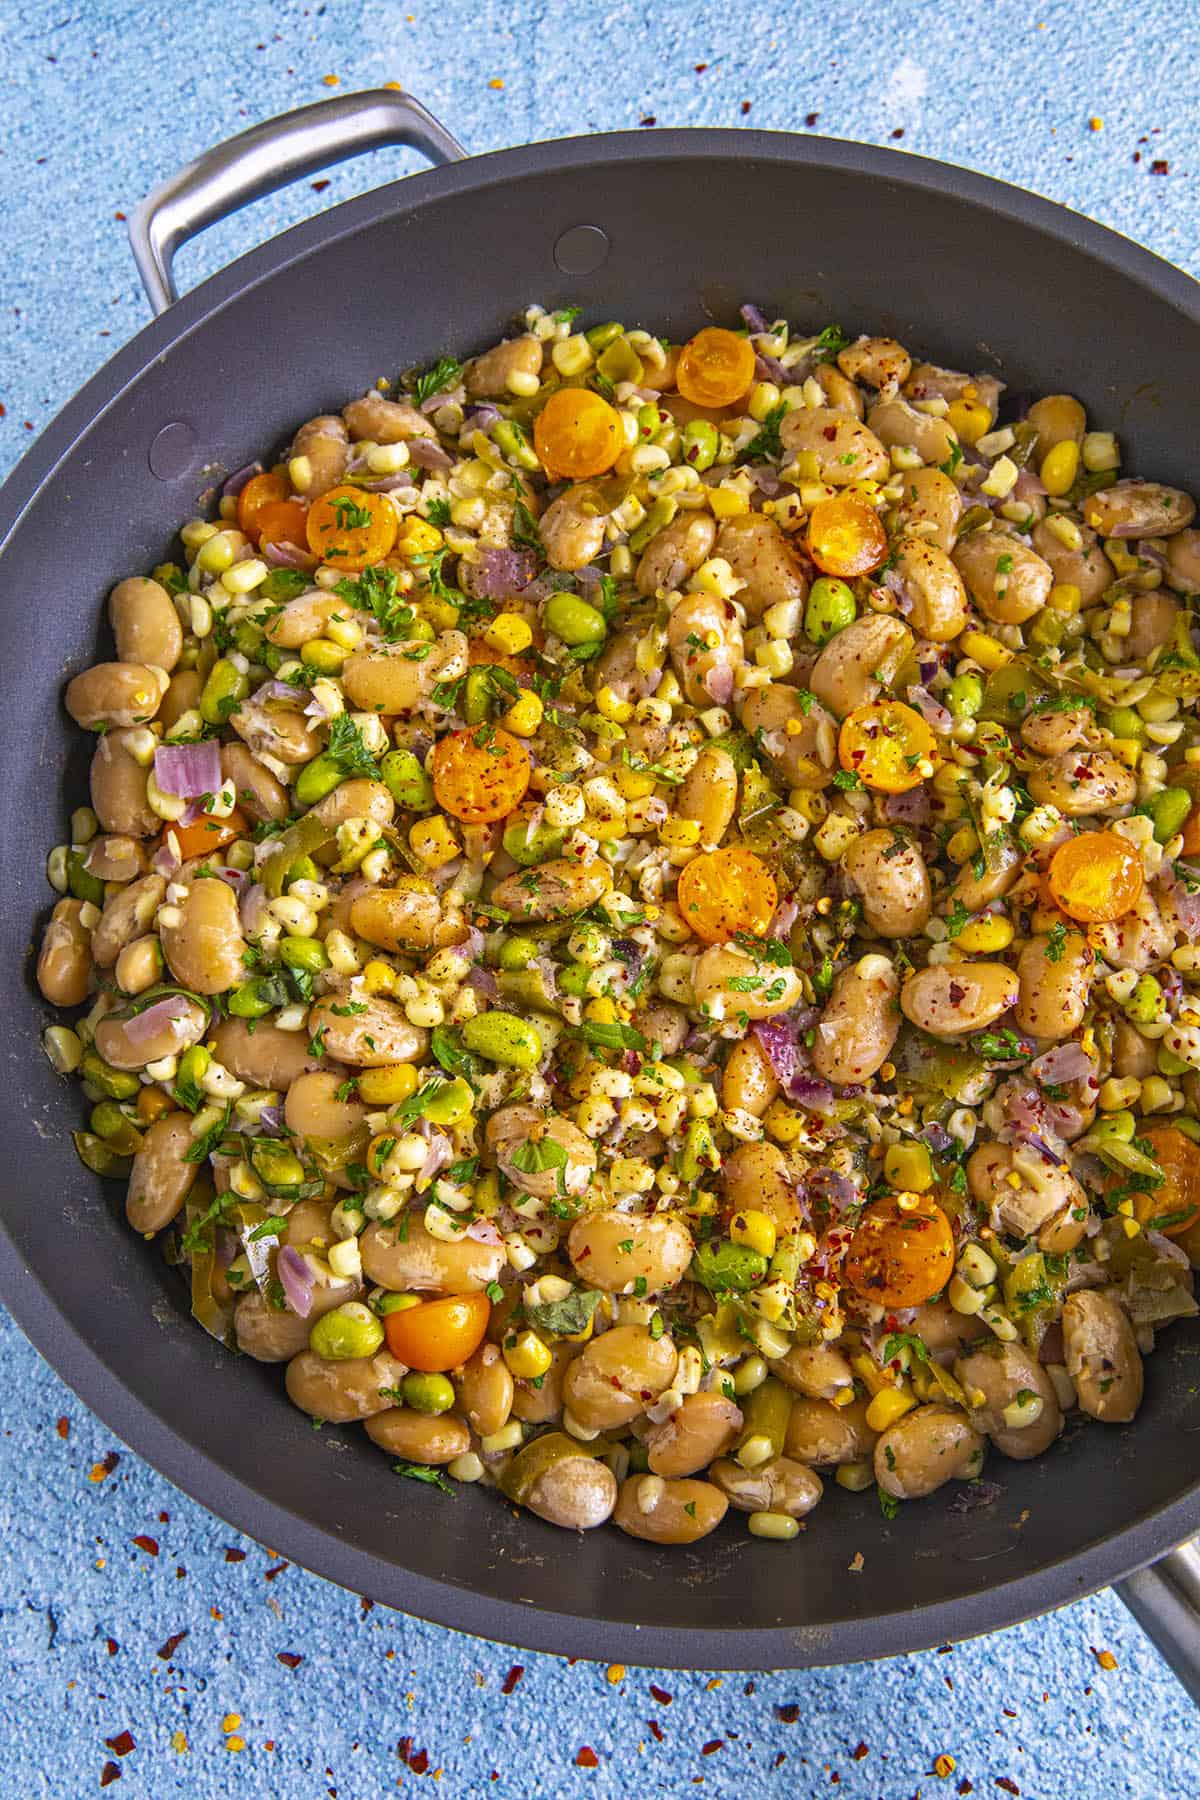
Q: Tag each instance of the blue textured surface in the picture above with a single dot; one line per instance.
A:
(103, 99)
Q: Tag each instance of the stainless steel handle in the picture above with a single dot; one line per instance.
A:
(1165, 1601)
(267, 157)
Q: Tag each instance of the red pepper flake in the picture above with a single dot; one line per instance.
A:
(109, 1773)
(712, 1746)
(810, 119)
(700, 68)
(111, 1645)
(656, 1730)
(122, 1744)
(1105, 1658)
(171, 1646)
(416, 1760)
(318, 187)
(586, 1758)
(649, 119)
(512, 1678)
(63, 1427)
(966, 1786)
(1008, 1784)
(661, 1695)
(288, 1658)
(1160, 167)
(365, 1605)
(120, 216)
(859, 1751)
(148, 1544)
(103, 1469)
(745, 107)
(787, 1715)
(273, 1574)
(899, 132)
(235, 1555)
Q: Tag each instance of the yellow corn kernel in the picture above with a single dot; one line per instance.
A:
(907, 1165)
(1120, 556)
(1060, 467)
(970, 418)
(419, 538)
(611, 706)
(754, 1229)
(509, 633)
(432, 841)
(988, 652)
(1065, 597)
(634, 784)
(987, 934)
(679, 834)
(888, 1406)
(782, 1123)
(868, 1372)
(1128, 749)
(602, 1011)
(605, 829)
(379, 977)
(389, 1086)
(524, 716)
(728, 502)
(963, 845)
(528, 1357)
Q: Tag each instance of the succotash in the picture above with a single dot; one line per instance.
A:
(638, 922)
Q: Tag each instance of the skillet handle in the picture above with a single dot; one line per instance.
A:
(269, 156)
(1165, 1601)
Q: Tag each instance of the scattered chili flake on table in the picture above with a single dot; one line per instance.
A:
(787, 1715)
(331, 80)
(857, 1563)
(656, 1730)
(103, 1469)
(713, 1745)
(1160, 167)
(745, 107)
(899, 132)
(859, 1751)
(810, 119)
(122, 1744)
(111, 1645)
(1008, 1784)
(495, 82)
(1105, 1658)
(148, 1544)
(512, 1678)
(288, 1658)
(179, 1741)
(171, 1646)
(661, 1695)
(64, 1425)
(586, 1758)
(965, 1786)
(235, 1555)
(272, 1574)
(109, 1773)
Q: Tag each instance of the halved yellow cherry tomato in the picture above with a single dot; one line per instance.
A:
(1174, 1206)
(888, 746)
(577, 434)
(724, 892)
(206, 834)
(349, 527)
(845, 537)
(1096, 877)
(480, 774)
(438, 1334)
(260, 491)
(902, 1252)
(283, 522)
(715, 367)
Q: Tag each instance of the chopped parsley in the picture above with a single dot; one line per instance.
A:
(422, 1472)
(766, 442)
(444, 373)
(347, 750)
(377, 590)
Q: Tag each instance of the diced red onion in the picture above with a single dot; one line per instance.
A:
(935, 715)
(289, 556)
(483, 1231)
(275, 690)
(1184, 905)
(226, 1247)
(145, 1025)
(393, 484)
(484, 982)
(937, 1138)
(1051, 1348)
(481, 414)
(810, 1092)
(752, 317)
(187, 770)
(297, 1280)
(237, 481)
(548, 973)
(271, 1118)
(233, 878)
(837, 1191)
(439, 1155)
(769, 368)
(718, 683)
(252, 906)
(765, 479)
(783, 918)
(426, 453)
(911, 808)
(1063, 1065)
(896, 585)
(777, 1039)
(166, 862)
(499, 574)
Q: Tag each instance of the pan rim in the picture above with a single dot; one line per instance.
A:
(165, 1445)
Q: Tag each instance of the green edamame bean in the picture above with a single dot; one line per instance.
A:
(660, 515)
(600, 336)
(1171, 1065)
(253, 1000)
(223, 692)
(1048, 629)
(248, 639)
(727, 1267)
(323, 655)
(517, 953)
(650, 420)
(82, 885)
(451, 1103)
(303, 953)
(528, 847)
(431, 1394)
(701, 442)
(501, 1037)
(699, 1150)
(316, 779)
(275, 1165)
(100, 1157)
(511, 440)
(1145, 1003)
(347, 1332)
(573, 620)
(831, 607)
(303, 869)
(477, 695)
(1125, 722)
(1168, 809)
(964, 696)
(383, 1301)
(574, 980)
(193, 1066)
(109, 1122)
(114, 1083)
(421, 631)
(406, 780)
(619, 361)
(282, 585)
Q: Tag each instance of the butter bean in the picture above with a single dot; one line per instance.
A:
(176, 1034)
(878, 362)
(572, 528)
(1087, 568)
(1044, 1199)
(161, 1177)
(1083, 782)
(1055, 980)
(563, 887)
(719, 981)
(419, 1263)
(760, 555)
(125, 917)
(1001, 1372)
(205, 950)
(860, 1022)
(705, 641)
(115, 695)
(846, 450)
(370, 1039)
(659, 1249)
(145, 623)
(683, 1512)
(265, 1057)
(935, 589)
(748, 1083)
(118, 787)
(855, 666)
(757, 1177)
(516, 1127)
(778, 1486)
(485, 1390)
(895, 422)
(798, 736)
(828, 1435)
(65, 960)
(702, 1427)
(617, 1376)
(709, 793)
(818, 1370)
(386, 421)
(1134, 509)
(888, 871)
(676, 552)
(925, 1449)
(419, 1437)
(1007, 580)
(951, 999)
(931, 506)
(312, 1108)
(486, 377)
(1102, 1356)
(342, 1391)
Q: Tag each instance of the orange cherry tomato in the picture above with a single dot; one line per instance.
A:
(1174, 1206)
(283, 522)
(349, 527)
(1096, 877)
(902, 1252)
(207, 834)
(845, 537)
(438, 1334)
(715, 367)
(260, 491)
(888, 746)
(480, 774)
(726, 891)
(577, 433)
(1191, 832)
